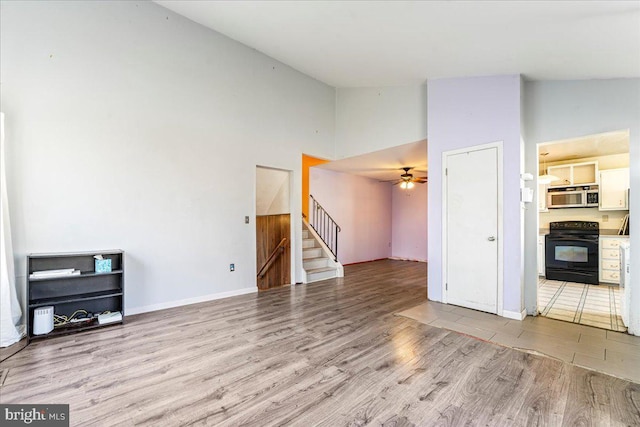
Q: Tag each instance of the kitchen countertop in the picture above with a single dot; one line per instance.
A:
(606, 232)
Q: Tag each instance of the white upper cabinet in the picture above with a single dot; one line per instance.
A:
(614, 189)
(574, 174)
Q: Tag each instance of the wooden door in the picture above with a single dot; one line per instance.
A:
(472, 229)
(270, 230)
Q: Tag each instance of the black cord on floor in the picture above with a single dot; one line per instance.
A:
(17, 351)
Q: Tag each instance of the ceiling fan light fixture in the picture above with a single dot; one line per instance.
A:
(406, 185)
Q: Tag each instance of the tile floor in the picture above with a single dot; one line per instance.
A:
(610, 352)
(592, 305)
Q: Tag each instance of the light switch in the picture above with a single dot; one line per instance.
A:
(246, 220)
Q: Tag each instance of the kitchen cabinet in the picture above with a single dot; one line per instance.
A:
(614, 189)
(542, 197)
(610, 258)
(574, 174)
(541, 255)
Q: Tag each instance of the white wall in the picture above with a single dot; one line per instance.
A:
(128, 126)
(464, 112)
(361, 207)
(409, 222)
(371, 119)
(558, 110)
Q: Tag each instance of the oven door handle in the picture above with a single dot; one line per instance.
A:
(572, 239)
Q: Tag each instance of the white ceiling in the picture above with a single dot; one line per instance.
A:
(387, 43)
(385, 165)
(602, 144)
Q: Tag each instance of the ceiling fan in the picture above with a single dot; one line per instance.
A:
(407, 180)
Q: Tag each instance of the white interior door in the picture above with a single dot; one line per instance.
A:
(472, 184)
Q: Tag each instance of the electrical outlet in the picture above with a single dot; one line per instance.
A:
(605, 218)
(232, 267)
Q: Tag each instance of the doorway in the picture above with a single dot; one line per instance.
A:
(273, 228)
(472, 222)
(583, 191)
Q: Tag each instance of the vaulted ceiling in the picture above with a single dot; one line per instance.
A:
(387, 43)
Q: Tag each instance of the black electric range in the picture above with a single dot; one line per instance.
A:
(571, 251)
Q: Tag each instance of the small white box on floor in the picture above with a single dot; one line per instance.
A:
(43, 320)
(103, 319)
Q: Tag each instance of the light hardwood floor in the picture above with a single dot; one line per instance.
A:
(330, 353)
(609, 352)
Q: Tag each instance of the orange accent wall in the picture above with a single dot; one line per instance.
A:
(307, 162)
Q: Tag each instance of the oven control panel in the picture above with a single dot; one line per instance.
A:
(574, 226)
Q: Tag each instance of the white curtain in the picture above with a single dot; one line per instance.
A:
(10, 311)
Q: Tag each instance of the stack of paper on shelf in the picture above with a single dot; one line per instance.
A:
(48, 274)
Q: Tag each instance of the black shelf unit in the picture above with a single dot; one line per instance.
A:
(90, 291)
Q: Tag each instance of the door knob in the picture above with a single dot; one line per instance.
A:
(491, 238)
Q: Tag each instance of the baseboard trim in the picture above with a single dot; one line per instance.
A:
(515, 315)
(188, 301)
(364, 262)
(397, 258)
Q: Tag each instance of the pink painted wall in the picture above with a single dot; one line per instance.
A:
(409, 222)
(361, 206)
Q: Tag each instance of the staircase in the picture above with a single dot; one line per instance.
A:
(316, 259)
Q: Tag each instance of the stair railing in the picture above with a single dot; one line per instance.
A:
(325, 226)
(274, 255)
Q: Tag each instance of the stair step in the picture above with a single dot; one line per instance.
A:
(312, 263)
(311, 253)
(305, 234)
(320, 270)
(317, 274)
(308, 243)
